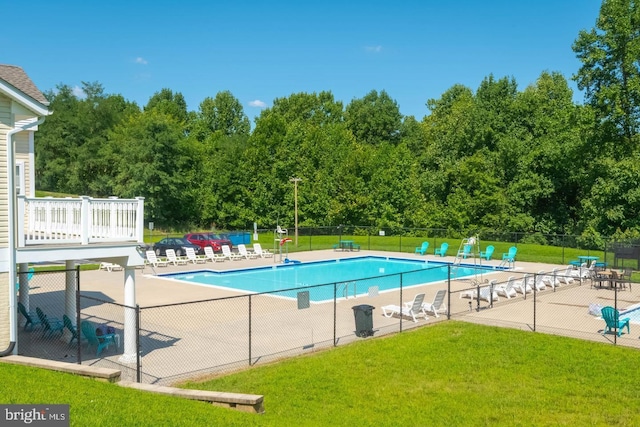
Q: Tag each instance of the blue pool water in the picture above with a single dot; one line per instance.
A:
(633, 314)
(353, 276)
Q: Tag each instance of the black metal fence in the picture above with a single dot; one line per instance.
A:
(561, 247)
(174, 342)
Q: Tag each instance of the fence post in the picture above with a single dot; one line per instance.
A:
(335, 308)
(250, 329)
(615, 306)
(400, 303)
(138, 361)
(535, 291)
(79, 332)
(448, 291)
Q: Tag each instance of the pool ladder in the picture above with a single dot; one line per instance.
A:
(344, 288)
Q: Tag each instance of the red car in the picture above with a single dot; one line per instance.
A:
(208, 239)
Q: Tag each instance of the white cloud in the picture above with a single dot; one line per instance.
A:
(257, 103)
(78, 92)
(374, 49)
(141, 60)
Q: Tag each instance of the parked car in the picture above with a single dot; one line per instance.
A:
(208, 239)
(178, 244)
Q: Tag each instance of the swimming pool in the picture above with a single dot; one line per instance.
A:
(353, 276)
(633, 313)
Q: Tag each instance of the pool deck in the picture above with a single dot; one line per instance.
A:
(563, 312)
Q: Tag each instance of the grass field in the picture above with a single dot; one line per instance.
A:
(447, 374)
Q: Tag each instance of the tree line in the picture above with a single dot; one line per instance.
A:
(491, 158)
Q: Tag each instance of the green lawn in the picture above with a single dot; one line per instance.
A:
(448, 374)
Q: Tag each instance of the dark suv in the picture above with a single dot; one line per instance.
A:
(208, 239)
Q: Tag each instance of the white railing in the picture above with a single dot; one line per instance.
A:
(81, 220)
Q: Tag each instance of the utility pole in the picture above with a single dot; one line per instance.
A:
(295, 202)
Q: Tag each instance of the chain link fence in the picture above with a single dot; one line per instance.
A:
(175, 342)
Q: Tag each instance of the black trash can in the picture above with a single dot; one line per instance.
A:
(364, 319)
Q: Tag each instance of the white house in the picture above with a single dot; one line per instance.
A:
(53, 229)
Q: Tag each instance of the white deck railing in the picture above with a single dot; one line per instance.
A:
(81, 220)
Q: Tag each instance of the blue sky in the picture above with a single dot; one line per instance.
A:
(259, 51)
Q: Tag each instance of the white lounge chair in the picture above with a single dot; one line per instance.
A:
(242, 250)
(567, 276)
(539, 283)
(438, 304)
(507, 290)
(487, 293)
(410, 309)
(153, 260)
(191, 256)
(208, 252)
(108, 266)
(524, 286)
(552, 279)
(174, 259)
(230, 255)
(262, 253)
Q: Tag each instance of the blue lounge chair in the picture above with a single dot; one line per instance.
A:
(31, 318)
(443, 249)
(510, 257)
(488, 253)
(101, 342)
(69, 325)
(422, 249)
(613, 321)
(50, 324)
(466, 251)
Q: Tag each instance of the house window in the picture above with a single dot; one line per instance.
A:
(19, 179)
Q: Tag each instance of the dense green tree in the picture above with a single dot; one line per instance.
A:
(153, 161)
(72, 153)
(610, 71)
(374, 119)
(170, 103)
(223, 115)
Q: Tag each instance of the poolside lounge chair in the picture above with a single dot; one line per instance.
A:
(174, 259)
(50, 324)
(108, 266)
(507, 289)
(191, 256)
(611, 316)
(487, 293)
(554, 279)
(153, 260)
(31, 317)
(262, 253)
(69, 325)
(442, 251)
(525, 285)
(410, 309)
(230, 255)
(101, 342)
(208, 252)
(242, 250)
(438, 304)
(510, 257)
(465, 252)
(567, 276)
(539, 283)
(422, 249)
(488, 253)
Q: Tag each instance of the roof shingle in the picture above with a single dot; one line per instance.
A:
(16, 77)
